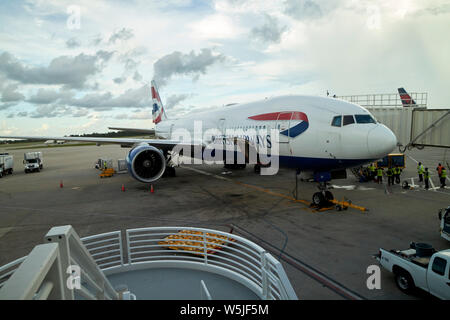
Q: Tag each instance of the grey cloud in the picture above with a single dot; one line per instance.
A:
(9, 93)
(175, 99)
(50, 111)
(132, 98)
(137, 76)
(303, 9)
(47, 96)
(71, 71)
(72, 43)
(270, 31)
(123, 34)
(178, 63)
(119, 80)
(7, 105)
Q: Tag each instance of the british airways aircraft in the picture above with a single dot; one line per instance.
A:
(316, 135)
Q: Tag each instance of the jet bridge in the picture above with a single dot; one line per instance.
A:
(415, 126)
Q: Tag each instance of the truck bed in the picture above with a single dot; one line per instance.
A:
(410, 255)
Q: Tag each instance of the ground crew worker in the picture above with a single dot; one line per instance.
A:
(426, 175)
(105, 166)
(439, 170)
(372, 171)
(443, 177)
(380, 175)
(390, 175)
(420, 171)
(397, 173)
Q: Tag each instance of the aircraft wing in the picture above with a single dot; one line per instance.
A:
(124, 142)
(148, 131)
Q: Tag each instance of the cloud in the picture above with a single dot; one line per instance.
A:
(303, 9)
(123, 34)
(131, 98)
(70, 71)
(178, 63)
(175, 99)
(119, 80)
(50, 111)
(47, 96)
(9, 94)
(270, 31)
(72, 43)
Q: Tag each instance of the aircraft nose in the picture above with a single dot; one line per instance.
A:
(381, 141)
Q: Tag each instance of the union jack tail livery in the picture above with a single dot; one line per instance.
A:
(407, 101)
(158, 109)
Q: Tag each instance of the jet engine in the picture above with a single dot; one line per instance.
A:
(146, 163)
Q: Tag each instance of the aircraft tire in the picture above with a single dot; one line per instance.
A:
(318, 199)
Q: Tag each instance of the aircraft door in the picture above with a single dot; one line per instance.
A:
(331, 141)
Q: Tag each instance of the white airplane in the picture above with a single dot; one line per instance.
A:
(317, 135)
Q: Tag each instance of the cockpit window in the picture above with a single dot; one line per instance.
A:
(364, 118)
(348, 120)
(336, 121)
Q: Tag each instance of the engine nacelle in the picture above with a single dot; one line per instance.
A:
(146, 163)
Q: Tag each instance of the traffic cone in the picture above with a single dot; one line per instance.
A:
(60, 184)
(123, 187)
(151, 189)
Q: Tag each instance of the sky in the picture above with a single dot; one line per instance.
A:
(74, 67)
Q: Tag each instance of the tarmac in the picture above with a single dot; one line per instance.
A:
(325, 253)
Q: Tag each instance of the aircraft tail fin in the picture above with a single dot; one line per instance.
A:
(407, 101)
(158, 109)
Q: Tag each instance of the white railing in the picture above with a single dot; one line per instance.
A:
(230, 255)
(385, 100)
(43, 273)
(239, 258)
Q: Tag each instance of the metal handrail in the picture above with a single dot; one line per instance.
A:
(232, 256)
(239, 256)
(62, 250)
(39, 276)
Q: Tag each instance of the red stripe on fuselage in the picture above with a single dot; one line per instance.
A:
(292, 115)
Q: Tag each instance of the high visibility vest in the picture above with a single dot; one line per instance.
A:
(444, 173)
(426, 174)
(379, 172)
(372, 168)
(389, 173)
(420, 169)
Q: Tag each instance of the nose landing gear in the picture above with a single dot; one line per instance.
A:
(323, 197)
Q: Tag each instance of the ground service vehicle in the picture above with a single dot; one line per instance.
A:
(444, 216)
(33, 161)
(6, 164)
(419, 267)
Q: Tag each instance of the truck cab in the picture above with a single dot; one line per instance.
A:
(444, 217)
(419, 267)
(33, 161)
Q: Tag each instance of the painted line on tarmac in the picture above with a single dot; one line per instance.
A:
(4, 231)
(249, 186)
(318, 276)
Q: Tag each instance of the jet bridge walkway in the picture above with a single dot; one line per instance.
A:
(415, 125)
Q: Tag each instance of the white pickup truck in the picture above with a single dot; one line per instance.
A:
(419, 267)
(444, 216)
